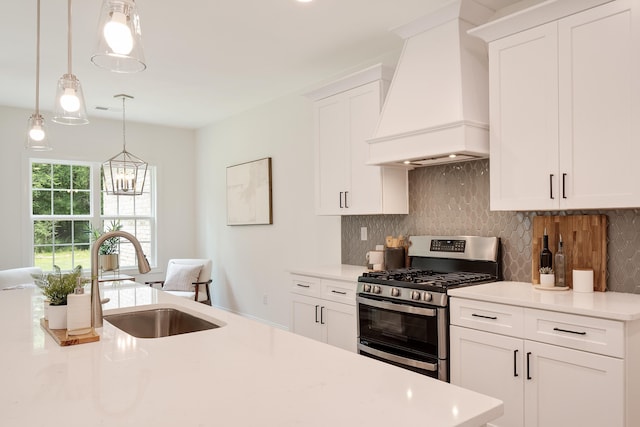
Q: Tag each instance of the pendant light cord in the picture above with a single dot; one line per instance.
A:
(38, 60)
(69, 36)
(124, 134)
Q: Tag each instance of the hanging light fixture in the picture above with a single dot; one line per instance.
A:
(124, 174)
(69, 108)
(119, 46)
(36, 131)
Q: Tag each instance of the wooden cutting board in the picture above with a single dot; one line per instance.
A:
(584, 244)
(64, 339)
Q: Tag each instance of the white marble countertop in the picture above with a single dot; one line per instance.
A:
(606, 305)
(242, 374)
(336, 272)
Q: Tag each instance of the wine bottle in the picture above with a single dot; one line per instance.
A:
(546, 257)
(560, 266)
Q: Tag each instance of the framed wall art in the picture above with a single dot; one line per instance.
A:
(249, 193)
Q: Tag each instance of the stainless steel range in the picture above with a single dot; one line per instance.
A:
(403, 315)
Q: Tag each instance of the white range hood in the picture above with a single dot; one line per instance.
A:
(437, 108)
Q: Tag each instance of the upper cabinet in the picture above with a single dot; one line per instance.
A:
(563, 98)
(345, 116)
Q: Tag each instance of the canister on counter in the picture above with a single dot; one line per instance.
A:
(394, 258)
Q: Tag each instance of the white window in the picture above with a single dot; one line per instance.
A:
(67, 200)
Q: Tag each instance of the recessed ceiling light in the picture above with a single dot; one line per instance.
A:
(305, 1)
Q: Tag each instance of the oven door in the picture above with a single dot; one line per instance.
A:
(404, 335)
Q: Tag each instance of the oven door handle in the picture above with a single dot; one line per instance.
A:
(431, 367)
(431, 312)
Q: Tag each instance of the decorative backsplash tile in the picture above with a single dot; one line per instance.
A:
(453, 199)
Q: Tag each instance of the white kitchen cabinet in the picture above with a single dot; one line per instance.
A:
(541, 384)
(345, 114)
(567, 387)
(564, 115)
(481, 361)
(324, 310)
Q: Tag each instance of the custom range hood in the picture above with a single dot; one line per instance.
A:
(437, 108)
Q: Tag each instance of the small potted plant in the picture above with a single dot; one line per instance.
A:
(55, 287)
(547, 278)
(109, 249)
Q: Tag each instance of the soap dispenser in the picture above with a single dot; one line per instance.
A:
(78, 311)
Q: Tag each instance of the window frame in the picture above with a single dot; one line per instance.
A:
(95, 217)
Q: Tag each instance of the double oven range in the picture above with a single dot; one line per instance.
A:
(403, 314)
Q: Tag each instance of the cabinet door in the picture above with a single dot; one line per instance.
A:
(332, 154)
(339, 325)
(523, 77)
(490, 364)
(598, 63)
(365, 195)
(572, 388)
(305, 316)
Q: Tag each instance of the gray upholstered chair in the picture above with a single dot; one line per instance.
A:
(187, 278)
(18, 277)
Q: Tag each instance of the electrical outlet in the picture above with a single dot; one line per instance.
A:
(363, 233)
(265, 299)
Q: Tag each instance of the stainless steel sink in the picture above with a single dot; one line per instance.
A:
(158, 322)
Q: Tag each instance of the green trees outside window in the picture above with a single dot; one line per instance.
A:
(62, 214)
(61, 208)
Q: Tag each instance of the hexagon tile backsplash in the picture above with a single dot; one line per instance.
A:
(453, 199)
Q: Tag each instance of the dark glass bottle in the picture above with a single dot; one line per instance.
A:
(546, 257)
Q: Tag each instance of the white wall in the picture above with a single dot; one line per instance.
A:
(171, 150)
(252, 261)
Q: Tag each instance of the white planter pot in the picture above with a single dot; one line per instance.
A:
(547, 280)
(57, 316)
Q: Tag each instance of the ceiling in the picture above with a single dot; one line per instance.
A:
(206, 59)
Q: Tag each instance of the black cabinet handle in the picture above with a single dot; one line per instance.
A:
(341, 200)
(484, 317)
(515, 360)
(569, 332)
(322, 315)
(317, 313)
(346, 205)
(528, 371)
(303, 286)
(564, 195)
(551, 186)
(338, 292)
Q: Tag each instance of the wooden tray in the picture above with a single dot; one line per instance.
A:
(584, 244)
(63, 339)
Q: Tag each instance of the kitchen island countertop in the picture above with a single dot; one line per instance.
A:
(244, 373)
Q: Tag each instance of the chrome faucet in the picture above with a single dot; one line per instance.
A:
(143, 267)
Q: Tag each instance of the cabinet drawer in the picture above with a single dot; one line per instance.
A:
(344, 292)
(486, 316)
(305, 285)
(600, 336)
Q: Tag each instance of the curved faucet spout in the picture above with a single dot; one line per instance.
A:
(143, 267)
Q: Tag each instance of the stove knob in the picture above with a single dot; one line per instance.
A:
(366, 288)
(376, 289)
(427, 296)
(415, 295)
(395, 292)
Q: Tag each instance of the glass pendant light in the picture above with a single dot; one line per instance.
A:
(69, 107)
(119, 46)
(36, 130)
(124, 174)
